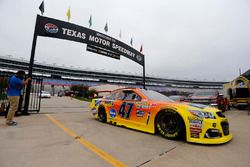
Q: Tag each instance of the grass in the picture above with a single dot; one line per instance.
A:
(3, 96)
(82, 98)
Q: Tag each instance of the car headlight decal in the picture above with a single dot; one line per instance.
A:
(202, 114)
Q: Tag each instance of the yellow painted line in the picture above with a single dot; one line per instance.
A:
(87, 144)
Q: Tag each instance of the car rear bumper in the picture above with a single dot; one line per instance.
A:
(94, 111)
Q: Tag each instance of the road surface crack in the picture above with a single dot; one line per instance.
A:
(156, 157)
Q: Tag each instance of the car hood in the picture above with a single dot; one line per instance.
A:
(189, 106)
(203, 97)
(201, 107)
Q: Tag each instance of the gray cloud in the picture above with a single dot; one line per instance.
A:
(202, 40)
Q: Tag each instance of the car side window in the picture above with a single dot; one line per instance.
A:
(130, 95)
(136, 97)
(121, 95)
(111, 96)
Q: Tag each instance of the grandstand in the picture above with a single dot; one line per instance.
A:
(60, 75)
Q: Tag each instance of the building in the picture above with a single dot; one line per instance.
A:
(238, 91)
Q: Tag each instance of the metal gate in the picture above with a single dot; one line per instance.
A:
(35, 95)
(3, 96)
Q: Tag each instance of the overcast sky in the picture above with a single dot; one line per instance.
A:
(205, 40)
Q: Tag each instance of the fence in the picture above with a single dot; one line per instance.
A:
(35, 99)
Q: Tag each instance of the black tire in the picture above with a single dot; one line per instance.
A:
(170, 125)
(102, 116)
(242, 107)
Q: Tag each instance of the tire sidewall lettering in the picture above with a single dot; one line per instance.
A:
(163, 132)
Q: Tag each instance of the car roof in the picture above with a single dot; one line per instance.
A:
(126, 89)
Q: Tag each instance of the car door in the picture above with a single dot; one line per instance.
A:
(131, 110)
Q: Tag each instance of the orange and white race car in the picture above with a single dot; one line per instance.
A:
(152, 112)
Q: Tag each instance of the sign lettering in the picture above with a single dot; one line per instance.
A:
(49, 27)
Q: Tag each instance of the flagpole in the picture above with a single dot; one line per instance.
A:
(144, 77)
(28, 87)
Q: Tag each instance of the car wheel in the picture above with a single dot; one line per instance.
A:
(170, 124)
(102, 116)
(241, 107)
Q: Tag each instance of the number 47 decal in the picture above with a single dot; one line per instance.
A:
(125, 110)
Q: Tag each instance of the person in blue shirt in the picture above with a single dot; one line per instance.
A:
(13, 93)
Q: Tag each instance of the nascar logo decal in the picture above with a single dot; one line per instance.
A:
(112, 113)
(51, 28)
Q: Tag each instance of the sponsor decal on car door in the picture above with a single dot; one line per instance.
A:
(132, 110)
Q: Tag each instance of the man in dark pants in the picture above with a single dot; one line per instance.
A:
(13, 93)
(23, 112)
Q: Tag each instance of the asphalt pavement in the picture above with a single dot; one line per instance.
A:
(64, 134)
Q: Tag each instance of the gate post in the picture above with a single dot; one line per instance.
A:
(144, 76)
(28, 87)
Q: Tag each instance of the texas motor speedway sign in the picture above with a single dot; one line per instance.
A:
(49, 27)
(96, 42)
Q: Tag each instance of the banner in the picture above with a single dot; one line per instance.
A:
(102, 51)
(49, 27)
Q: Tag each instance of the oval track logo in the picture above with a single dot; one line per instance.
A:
(138, 57)
(51, 28)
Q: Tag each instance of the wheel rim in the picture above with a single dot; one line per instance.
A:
(169, 123)
(102, 115)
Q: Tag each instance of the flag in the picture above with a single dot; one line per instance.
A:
(131, 41)
(120, 34)
(41, 7)
(141, 49)
(106, 28)
(90, 21)
(68, 14)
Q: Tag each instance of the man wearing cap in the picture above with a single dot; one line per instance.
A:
(13, 93)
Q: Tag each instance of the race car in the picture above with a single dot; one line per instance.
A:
(152, 112)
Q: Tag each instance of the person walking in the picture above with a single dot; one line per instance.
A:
(13, 94)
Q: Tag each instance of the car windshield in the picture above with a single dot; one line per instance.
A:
(45, 92)
(153, 95)
(175, 98)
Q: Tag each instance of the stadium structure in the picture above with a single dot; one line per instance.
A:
(64, 76)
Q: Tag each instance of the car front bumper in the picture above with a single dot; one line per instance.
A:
(221, 140)
(209, 131)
